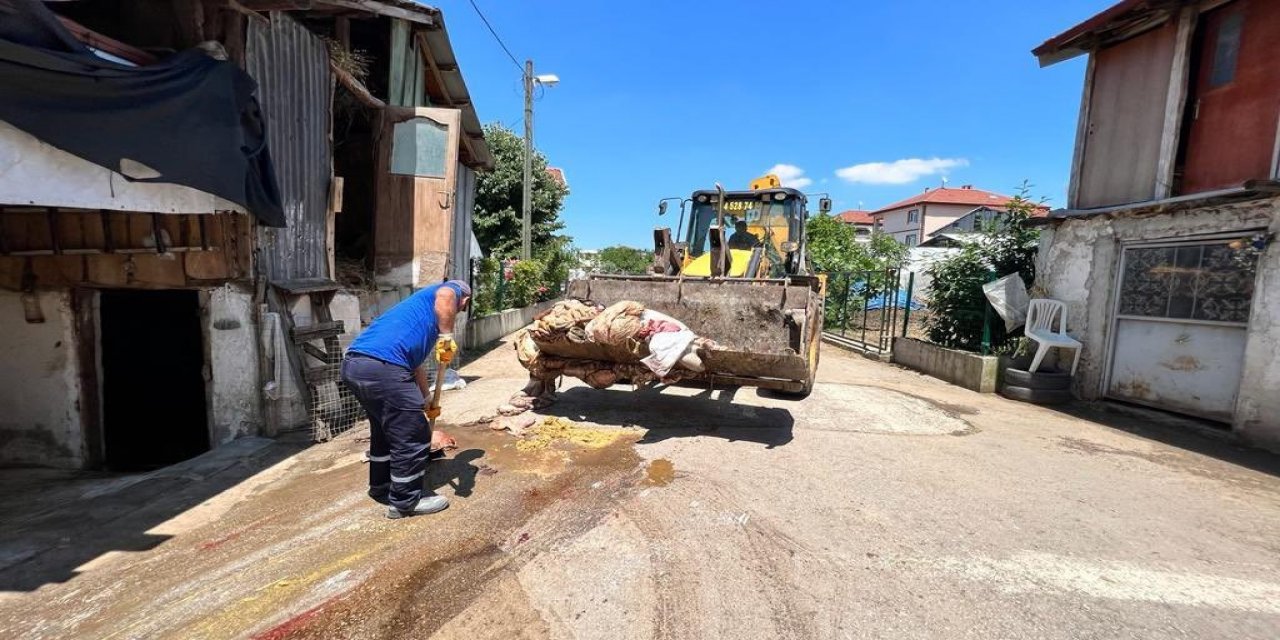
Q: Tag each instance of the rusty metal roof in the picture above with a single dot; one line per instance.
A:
(1122, 20)
(445, 83)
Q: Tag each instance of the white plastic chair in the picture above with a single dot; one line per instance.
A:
(1042, 315)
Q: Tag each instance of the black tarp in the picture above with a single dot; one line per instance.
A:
(191, 118)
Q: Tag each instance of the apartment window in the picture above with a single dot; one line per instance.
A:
(913, 215)
(910, 240)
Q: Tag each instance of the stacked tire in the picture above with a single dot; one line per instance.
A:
(1040, 387)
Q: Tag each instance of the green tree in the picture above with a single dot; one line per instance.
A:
(499, 196)
(834, 248)
(558, 258)
(855, 270)
(625, 260)
(833, 245)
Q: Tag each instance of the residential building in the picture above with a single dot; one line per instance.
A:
(1163, 254)
(915, 219)
(862, 222)
(144, 322)
(557, 174)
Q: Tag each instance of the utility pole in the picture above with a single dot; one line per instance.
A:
(526, 233)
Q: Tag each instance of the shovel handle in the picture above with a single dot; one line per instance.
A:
(435, 396)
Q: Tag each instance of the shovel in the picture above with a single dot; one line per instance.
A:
(447, 442)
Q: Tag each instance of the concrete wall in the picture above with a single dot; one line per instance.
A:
(962, 368)
(39, 384)
(1078, 264)
(231, 336)
(482, 331)
(938, 216)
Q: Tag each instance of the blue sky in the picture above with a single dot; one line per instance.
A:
(659, 99)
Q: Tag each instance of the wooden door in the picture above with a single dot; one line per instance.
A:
(1126, 117)
(416, 182)
(1235, 100)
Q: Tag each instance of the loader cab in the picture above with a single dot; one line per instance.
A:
(769, 219)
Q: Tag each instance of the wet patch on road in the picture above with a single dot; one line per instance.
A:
(1089, 447)
(448, 561)
(660, 472)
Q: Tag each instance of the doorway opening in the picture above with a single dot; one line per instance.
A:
(154, 410)
(355, 161)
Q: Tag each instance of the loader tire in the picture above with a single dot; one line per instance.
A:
(1036, 396)
(1037, 380)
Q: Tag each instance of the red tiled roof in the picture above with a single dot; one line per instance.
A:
(557, 174)
(854, 216)
(946, 195)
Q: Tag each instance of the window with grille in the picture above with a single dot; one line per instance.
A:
(1207, 282)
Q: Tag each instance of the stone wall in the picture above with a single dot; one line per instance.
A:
(1079, 262)
(231, 337)
(39, 384)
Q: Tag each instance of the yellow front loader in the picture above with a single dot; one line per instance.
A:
(738, 275)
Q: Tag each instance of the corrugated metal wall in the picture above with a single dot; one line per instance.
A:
(295, 88)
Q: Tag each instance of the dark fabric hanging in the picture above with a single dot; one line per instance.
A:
(190, 118)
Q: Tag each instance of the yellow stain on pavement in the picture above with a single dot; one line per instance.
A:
(267, 600)
(551, 430)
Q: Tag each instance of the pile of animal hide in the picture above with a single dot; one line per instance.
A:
(624, 342)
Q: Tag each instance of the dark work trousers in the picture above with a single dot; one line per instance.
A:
(399, 434)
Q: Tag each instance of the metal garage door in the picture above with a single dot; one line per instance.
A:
(1180, 325)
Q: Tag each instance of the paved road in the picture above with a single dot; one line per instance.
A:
(887, 504)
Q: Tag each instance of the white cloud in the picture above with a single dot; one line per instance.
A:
(790, 175)
(903, 171)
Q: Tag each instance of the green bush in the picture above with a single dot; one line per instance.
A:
(558, 259)
(958, 308)
(957, 305)
(526, 285)
(488, 277)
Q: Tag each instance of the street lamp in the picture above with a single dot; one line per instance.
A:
(546, 80)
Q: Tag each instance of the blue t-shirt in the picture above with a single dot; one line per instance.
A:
(406, 333)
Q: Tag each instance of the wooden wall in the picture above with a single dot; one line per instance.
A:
(1125, 123)
(1232, 136)
(413, 224)
(74, 248)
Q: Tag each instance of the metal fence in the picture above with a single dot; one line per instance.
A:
(866, 310)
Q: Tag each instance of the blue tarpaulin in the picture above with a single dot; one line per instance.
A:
(881, 301)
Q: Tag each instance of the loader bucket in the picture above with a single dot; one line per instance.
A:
(766, 331)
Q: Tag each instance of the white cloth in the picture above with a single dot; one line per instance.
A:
(667, 348)
(1008, 296)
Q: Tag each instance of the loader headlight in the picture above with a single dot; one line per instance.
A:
(790, 247)
(702, 198)
(779, 196)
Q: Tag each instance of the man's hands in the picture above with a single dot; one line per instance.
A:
(446, 348)
(432, 412)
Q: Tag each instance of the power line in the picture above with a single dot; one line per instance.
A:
(496, 36)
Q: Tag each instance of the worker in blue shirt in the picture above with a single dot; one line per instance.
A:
(382, 369)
